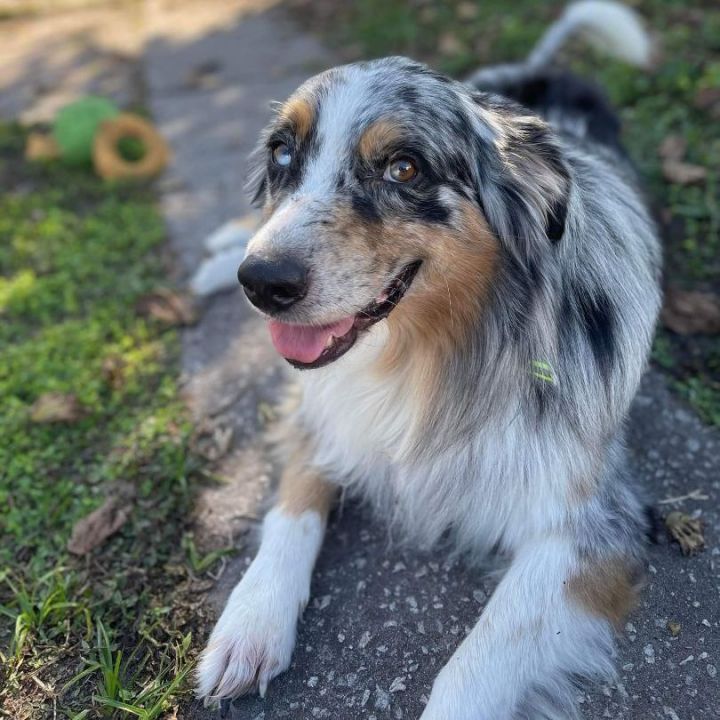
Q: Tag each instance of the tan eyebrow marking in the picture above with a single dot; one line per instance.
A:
(377, 137)
(300, 114)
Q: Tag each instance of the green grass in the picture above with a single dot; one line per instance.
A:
(108, 635)
(457, 36)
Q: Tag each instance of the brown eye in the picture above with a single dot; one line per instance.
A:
(281, 155)
(400, 171)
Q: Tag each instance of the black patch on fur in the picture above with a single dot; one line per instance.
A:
(365, 207)
(592, 313)
(545, 395)
(409, 95)
(431, 210)
(573, 95)
(521, 283)
(556, 221)
(598, 318)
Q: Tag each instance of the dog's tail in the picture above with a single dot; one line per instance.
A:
(609, 26)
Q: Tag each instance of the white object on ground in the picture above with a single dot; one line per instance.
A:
(226, 246)
(218, 272)
(234, 233)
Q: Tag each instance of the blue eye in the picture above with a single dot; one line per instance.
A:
(281, 155)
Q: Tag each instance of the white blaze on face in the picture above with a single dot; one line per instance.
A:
(277, 234)
(344, 104)
(339, 111)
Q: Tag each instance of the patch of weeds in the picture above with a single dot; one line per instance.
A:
(75, 256)
(198, 562)
(118, 678)
(40, 611)
(456, 37)
(703, 393)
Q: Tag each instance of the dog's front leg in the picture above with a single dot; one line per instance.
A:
(255, 635)
(548, 623)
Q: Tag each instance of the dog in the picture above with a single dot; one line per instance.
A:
(467, 277)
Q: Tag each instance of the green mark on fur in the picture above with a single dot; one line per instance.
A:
(542, 371)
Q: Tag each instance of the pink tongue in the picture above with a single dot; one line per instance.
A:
(305, 343)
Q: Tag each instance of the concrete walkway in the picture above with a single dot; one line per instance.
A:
(382, 620)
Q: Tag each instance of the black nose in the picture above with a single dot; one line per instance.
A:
(273, 285)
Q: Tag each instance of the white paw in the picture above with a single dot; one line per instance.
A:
(253, 640)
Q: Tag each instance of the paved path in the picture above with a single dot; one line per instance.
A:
(383, 619)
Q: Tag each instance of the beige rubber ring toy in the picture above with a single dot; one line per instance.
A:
(110, 165)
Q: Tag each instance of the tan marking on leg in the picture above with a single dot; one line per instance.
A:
(302, 487)
(377, 138)
(605, 588)
(301, 114)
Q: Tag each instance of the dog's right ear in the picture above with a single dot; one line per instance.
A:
(523, 182)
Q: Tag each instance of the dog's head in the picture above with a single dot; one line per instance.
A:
(388, 188)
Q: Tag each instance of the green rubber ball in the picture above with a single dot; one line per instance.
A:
(76, 124)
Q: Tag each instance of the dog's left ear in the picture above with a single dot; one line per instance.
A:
(524, 181)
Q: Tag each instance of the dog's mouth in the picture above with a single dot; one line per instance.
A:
(309, 346)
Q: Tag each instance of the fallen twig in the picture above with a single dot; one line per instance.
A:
(696, 494)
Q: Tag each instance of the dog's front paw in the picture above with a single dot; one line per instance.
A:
(251, 643)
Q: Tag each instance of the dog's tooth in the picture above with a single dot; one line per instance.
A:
(329, 341)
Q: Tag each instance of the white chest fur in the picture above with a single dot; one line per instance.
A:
(499, 486)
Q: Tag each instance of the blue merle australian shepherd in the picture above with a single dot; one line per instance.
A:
(468, 278)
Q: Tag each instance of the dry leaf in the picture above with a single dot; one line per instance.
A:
(708, 99)
(688, 312)
(428, 15)
(92, 530)
(686, 531)
(168, 307)
(448, 44)
(673, 147)
(55, 407)
(674, 628)
(113, 371)
(467, 10)
(683, 173)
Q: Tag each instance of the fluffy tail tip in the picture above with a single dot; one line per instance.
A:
(613, 28)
